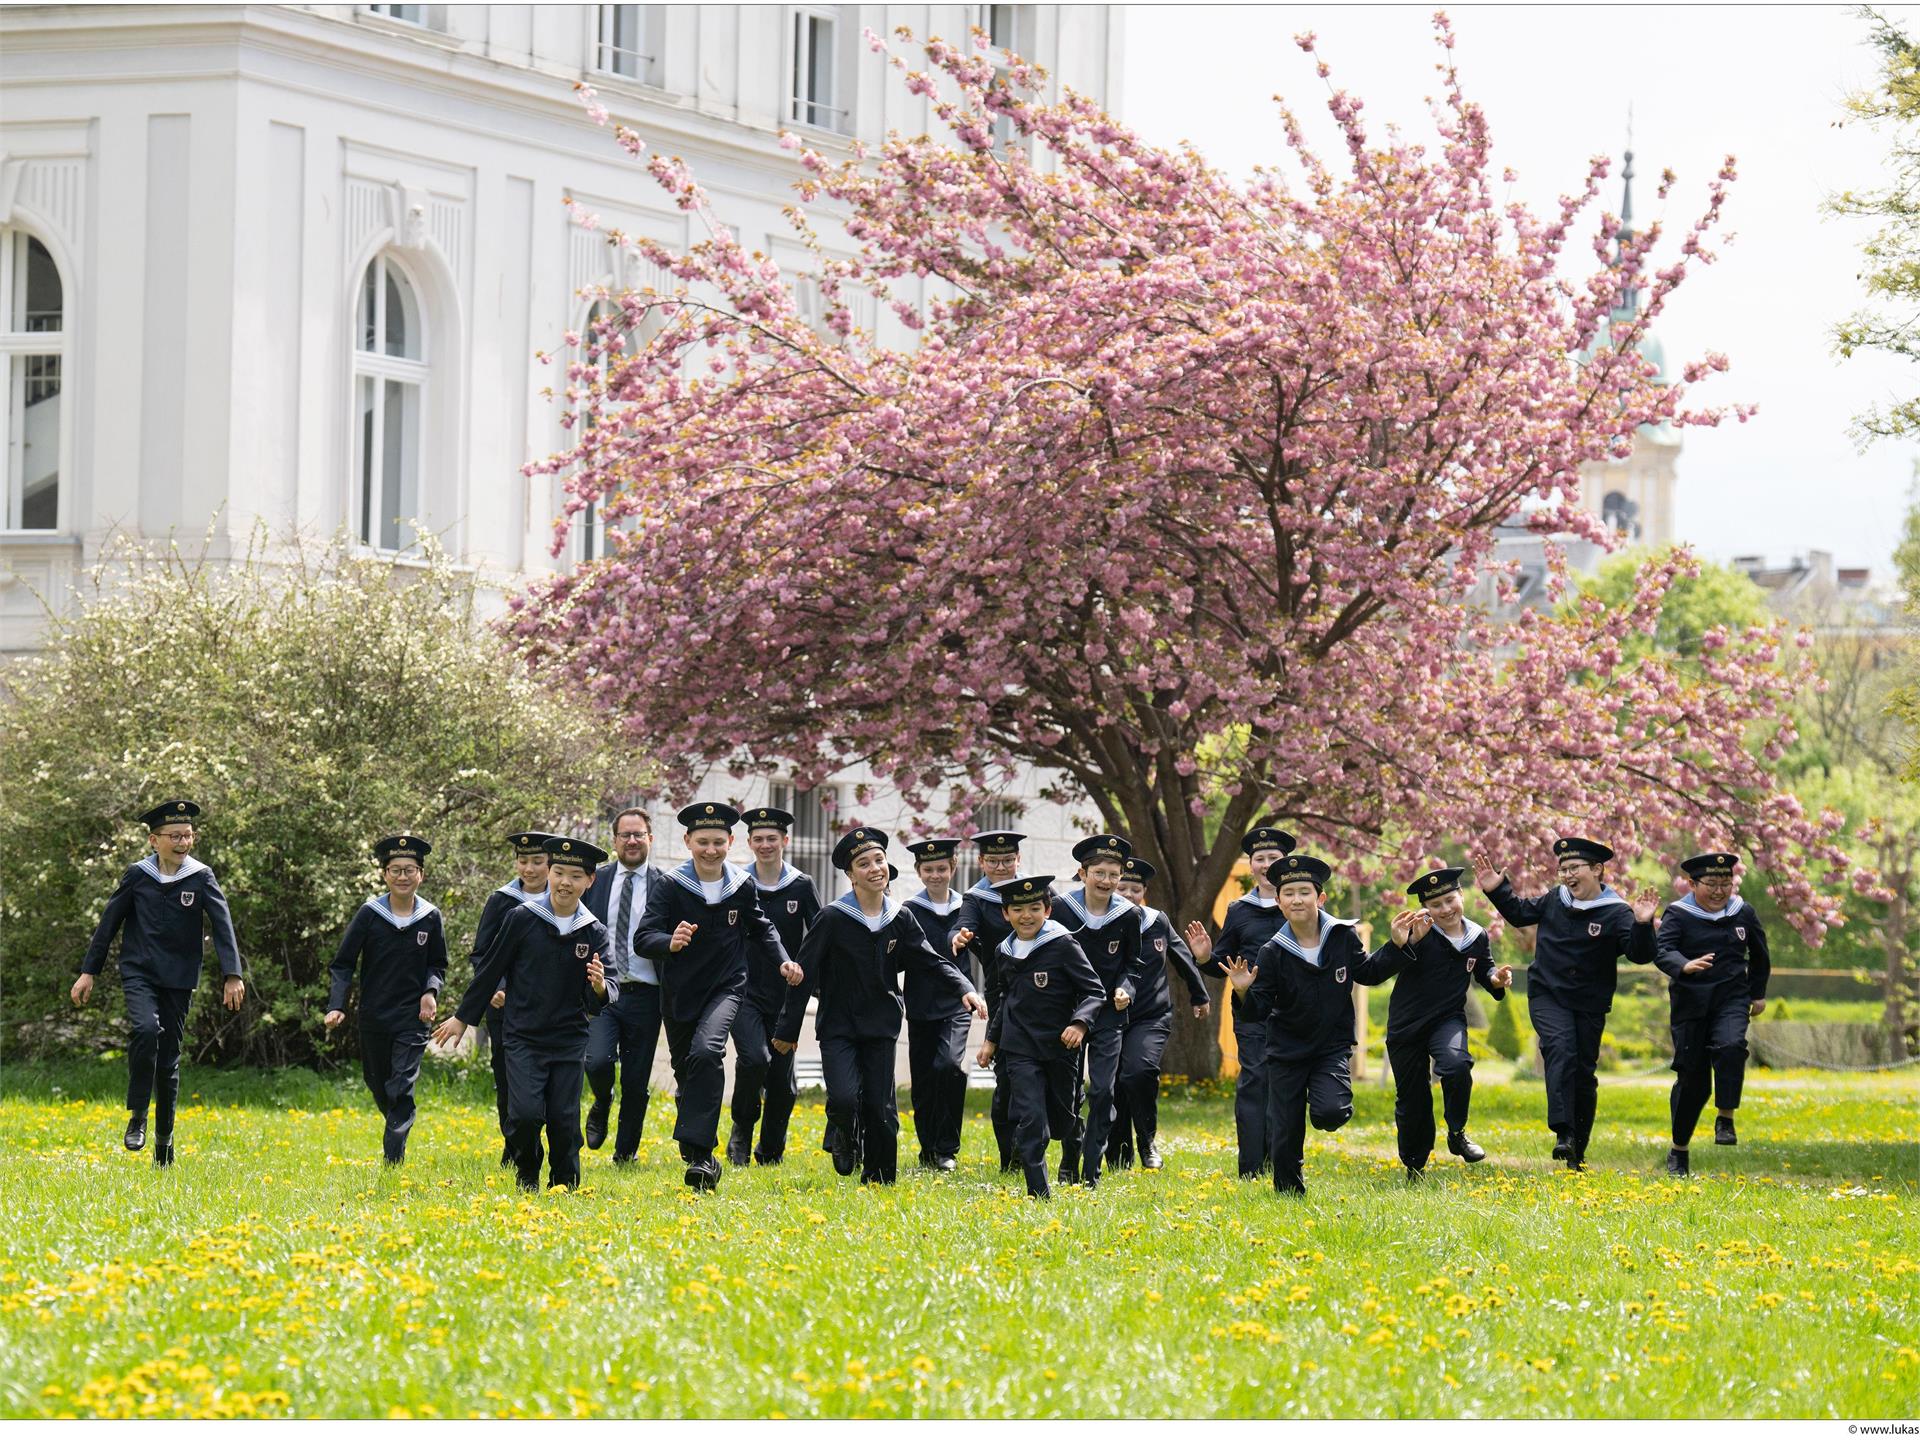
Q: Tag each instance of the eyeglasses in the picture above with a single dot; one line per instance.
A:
(403, 872)
(175, 834)
(634, 835)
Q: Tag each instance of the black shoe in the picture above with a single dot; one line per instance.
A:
(1123, 1159)
(136, 1136)
(760, 1159)
(1090, 1182)
(1576, 1163)
(1459, 1144)
(946, 1165)
(1293, 1185)
(1676, 1161)
(625, 1157)
(1723, 1131)
(1150, 1158)
(739, 1147)
(1037, 1183)
(1415, 1174)
(846, 1153)
(163, 1149)
(1069, 1173)
(703, 1174)
(597, 1125)
(1562, 1148)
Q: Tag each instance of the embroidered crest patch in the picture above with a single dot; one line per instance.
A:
(420, 938)
(733, 917)
(793, 907)
(1593, 928)
(1039, 979)
(1740, 932)
(1340, 976)
(1113, 947)
(1161, 946)
(186, 898)
(891, 944)
(580, 951)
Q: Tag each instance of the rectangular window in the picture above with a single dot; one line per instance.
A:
(389, 456)
(811, 849)
(629, 42)
(814, 38)
(411, 14)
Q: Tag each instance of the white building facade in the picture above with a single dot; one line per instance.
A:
(290, 265)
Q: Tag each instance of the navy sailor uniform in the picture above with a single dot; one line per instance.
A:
(937, 1031)
(541, 960)
(702, 985)
(1710, 1010)
(982, 913)
(1427, 1025)
(162, 918)
(1570, 986)
(1047, 983)
(397, 962)
(1150, 1024)
(852, 962)
(501, 903)
(1305, 999)
(792, 903)
(1250, 923)
(1111, 941)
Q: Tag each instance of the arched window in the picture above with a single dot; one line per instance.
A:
(33, 341)
(390, 378)
(1620, 515)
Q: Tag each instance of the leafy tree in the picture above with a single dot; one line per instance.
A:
(310, 702)
(1182, 496)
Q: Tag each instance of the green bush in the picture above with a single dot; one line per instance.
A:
(1504, 1035)
(311, 699)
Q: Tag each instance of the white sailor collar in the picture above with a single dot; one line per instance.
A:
(382, 905)
(889, 911)
(1328, 923)
(985, 891)
(518, 891)
(1692, 906)
(1020, 949)
(1468, 935)
(732, 877)
(1607, 896)
(580, 917)
(925, 902)
(188, 866)
(1149, 917)
(787, 876)
(1258, 901)
(1076, 901)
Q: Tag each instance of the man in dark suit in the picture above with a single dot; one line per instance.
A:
(628, 1030)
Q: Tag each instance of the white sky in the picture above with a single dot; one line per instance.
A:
(1761, 83)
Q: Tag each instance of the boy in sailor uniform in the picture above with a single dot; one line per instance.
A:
(1301, 987)
(397, 948)
(1427, 1021)
(1150, 1021)
(1585, 927)
(1107, 926)
(937, 1024)
(164, 901)
(1251, 921)
(852, 958)
(791, 902)
(703, 922)
(529, 882)
(978, 930)
(1050, 999)
(548, 953)
(1713, 949)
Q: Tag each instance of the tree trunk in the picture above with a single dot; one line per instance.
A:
(1893, 936)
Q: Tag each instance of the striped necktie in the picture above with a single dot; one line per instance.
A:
(623, 924)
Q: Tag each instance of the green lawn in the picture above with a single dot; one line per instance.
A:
(279, 1270)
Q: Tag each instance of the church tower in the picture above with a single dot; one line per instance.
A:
(1635, 496)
